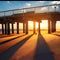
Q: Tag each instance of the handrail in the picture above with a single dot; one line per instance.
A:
(4, 12)
(29, 8)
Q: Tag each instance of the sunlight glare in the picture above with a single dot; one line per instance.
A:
(30, 24)
(44, 24)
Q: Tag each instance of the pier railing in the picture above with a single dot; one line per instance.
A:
(38, 9)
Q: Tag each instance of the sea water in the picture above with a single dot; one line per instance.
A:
(15, 31)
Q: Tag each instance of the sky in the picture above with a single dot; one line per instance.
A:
(8, 5)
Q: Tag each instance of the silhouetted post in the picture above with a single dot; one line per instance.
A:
(23, 27)
(17, 27)
(8, 28)
(53, 26)
(2, 28)
(38, 27)
(34, 27)
(12, 28)
(49, 26)
(27, 27)
(5, 29)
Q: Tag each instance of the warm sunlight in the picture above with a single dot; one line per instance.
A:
(30, 24)
(43, 24)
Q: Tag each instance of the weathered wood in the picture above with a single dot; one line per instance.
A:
(27, 27)
(49, 29)
(17, 27)
(53, 25)
(34, 25)
(12, 28)
(5, 28)
(2, 28)
(24, 27)
(8, 30)
(38, 27)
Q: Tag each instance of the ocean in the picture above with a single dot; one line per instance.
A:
(21, 30)
(15, 31)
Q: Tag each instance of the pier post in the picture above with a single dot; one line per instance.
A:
(53, 24)
(49, 26)
(27, 27)
(5, 29)
(8, 28)
(23, 27)
(38, 27)
(12, 28)
(2, 28)
(17, 27)
(34, 26)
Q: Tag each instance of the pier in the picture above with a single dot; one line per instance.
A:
(35, 14)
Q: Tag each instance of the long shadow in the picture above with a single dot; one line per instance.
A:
(10, 39)
(42, 50)
(56, 34)
(8, 53)
(6, 36)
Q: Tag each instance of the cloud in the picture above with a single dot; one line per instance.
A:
(8, 1)
(28, 5)
(58, 2)
(55, 2)
(41, 1)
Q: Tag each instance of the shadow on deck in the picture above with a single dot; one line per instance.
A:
(42, 50)
(8, 53)
(10, 39)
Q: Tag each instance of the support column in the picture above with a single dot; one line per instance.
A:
(53, 26)
(34, 27)
(17, 27)
(5, 29)
(8, 28)
(12, 28)
(23, 27)
(49, 26)
(2, 28)
(27, 27)
(38, 27)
